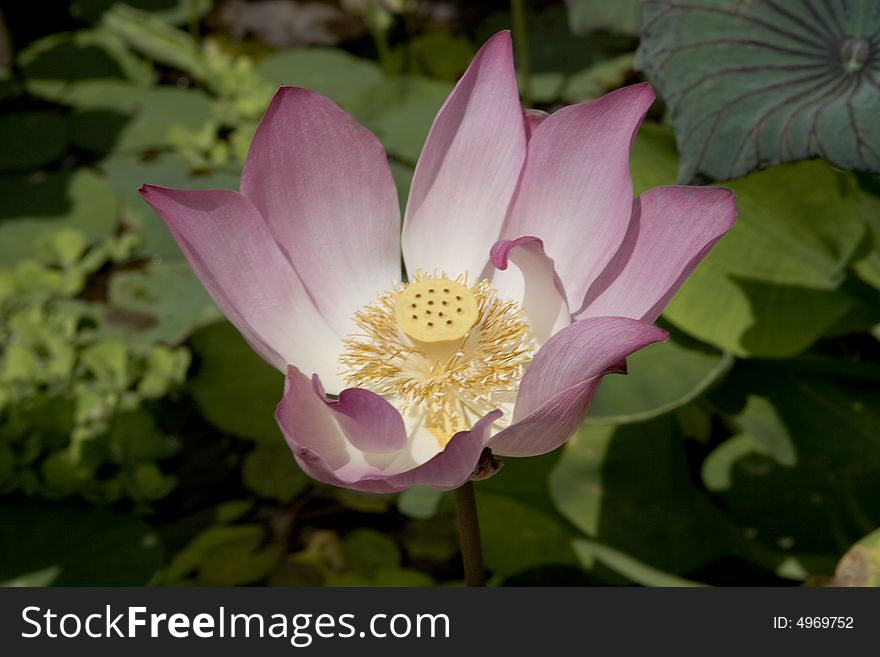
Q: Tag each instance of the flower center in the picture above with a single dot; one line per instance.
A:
(436, 310)
(442, 352)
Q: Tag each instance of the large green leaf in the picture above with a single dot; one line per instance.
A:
(74, 546)
(751, 84)
(804, 473)
(769, 287)
(333, 73)
(628, 487)
(661, 378)
(653, 161)
(234, 388)
(540, 538)
(515, 507)
(36, 205)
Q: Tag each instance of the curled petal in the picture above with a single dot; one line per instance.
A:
(454, 465)
(468, 169)
(576, 191)
(533, 118)
(323, 183)
(368, 421)
(532, 281)
(671, 230)
(560, 383)
(326, 451)
(230, 248)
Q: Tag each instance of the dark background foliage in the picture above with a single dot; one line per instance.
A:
(137, 443)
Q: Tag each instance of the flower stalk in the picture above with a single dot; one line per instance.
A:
(469, 535)
(521, 41)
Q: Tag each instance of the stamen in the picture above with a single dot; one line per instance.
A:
(450, 382)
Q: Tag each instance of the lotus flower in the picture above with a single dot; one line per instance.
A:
(531, 273)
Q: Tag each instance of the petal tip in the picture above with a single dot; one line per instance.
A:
(500, 251)
(501, 36)
(148, 191)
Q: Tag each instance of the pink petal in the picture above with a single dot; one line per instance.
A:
(671, 230)
(324, 452)
(468, 169)
(368, 421)
(559, 384)
(324, 186)
(532, 281)
(576, 191)
(232, 252)
(311, 429)
(533, 119)
(454, 465)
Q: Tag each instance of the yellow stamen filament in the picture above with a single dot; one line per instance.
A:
(449, 382)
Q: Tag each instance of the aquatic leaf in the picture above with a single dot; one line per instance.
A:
(752, 84)
(661, 378)
(769, 288)
(234, 388)
(628, 488)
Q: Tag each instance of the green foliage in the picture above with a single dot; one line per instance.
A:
(419, 502)
(176, 12)
(586, 16)
(71, 394)
(66, 67)
(755, 84)
(97, 547)
(330, 72)
(152, 37)
(804, 466)
(773, 285)
(628, 487)
(147, 304)
(234, 388)
(742, 451)
(31, 139)
(36, 205)
(270, 472)
(775, 277)
(664, 377)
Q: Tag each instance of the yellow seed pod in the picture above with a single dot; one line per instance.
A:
(436, 310)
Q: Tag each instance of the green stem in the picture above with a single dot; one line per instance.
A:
(383, 47)
(194, 21)
(469, 535)
(521, 46)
